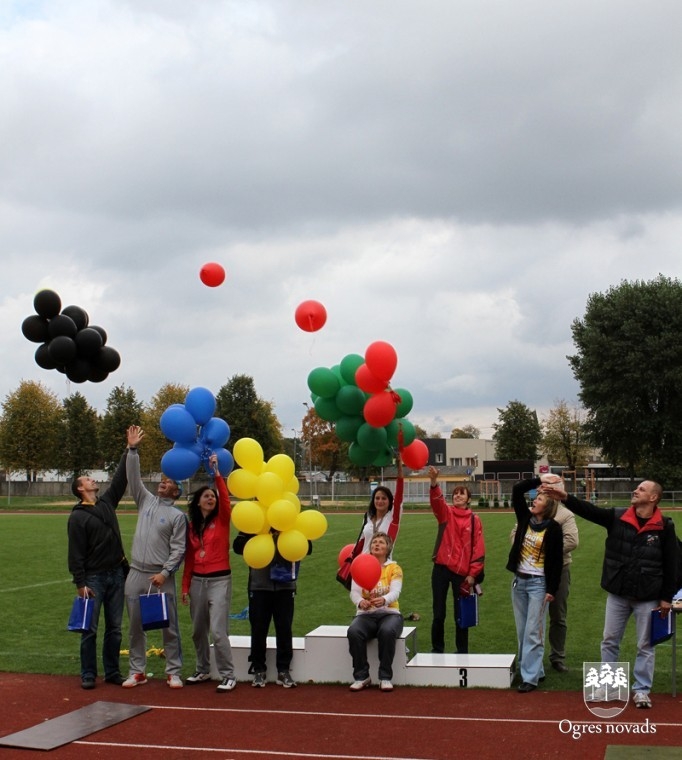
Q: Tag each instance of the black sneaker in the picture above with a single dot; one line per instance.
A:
(284, 679)
(259, 680)
(198, 678)
(87, 683)
(117, 680)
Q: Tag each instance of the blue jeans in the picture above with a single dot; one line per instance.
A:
(530, 612)
(618, 611)
(108, 587)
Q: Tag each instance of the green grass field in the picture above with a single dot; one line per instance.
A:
(37, 592)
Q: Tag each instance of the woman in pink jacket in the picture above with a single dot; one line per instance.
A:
(458, 558)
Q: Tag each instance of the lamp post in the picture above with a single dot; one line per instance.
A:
(310, 458)
(293, 430)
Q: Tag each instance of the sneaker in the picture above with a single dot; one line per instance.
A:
(134, 679)
(174, 681)
(227, 684)
(117, 679)
(259, 680)
(284, 679)
(360, 685)
(198, 678)
(87, 683)
(385, 685)
(642, 700)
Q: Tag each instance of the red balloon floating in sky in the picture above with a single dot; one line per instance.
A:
(310, 316)
(212, 274)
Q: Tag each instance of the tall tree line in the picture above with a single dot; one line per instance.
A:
(38, 432)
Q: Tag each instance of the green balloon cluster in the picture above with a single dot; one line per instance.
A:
(338, 399)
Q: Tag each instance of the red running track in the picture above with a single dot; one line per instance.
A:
(322, 722)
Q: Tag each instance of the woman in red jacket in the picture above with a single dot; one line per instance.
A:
(458, 558)
(207, 580)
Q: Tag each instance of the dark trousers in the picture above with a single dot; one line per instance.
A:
(265, 607)
(442, 580)
(385, 627)
(109, 596)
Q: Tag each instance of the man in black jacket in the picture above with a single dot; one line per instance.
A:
(98, 565)
(638, 572)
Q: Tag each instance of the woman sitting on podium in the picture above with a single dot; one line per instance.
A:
(377, 617)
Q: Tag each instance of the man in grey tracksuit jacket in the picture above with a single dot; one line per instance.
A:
(157, 553)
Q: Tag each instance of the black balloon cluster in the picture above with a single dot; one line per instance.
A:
(69, 343)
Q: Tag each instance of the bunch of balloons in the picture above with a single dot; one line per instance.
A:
(270, 503)
(196, 434)
(356, 396)
(69, 343)
(365, 569)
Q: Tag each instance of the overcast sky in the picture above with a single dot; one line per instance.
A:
(453, 177)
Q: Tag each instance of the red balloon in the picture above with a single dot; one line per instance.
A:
(381, 359)
(416, 455)
(365, 570)
(212, 274)
(368, 382)
(310, 316)
(379, 409)
(345, 553)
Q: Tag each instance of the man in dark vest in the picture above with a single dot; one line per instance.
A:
(638, 571)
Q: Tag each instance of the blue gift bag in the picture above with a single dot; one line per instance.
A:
(466, 611)
(80, 619)
(661, 627)
(154, 611)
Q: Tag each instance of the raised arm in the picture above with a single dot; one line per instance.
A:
(137, 489)
(224, 505)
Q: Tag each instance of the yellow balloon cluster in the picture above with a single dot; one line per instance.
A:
(269, 503)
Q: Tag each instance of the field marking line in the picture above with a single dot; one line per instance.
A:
(254, 752)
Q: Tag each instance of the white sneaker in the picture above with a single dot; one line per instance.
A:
(227, 684)
(385, 685)
(360, 685)
(135, 679)
(642, 700)
(175, 682)
(198, 678)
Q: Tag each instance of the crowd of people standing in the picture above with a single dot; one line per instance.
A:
(638, 575)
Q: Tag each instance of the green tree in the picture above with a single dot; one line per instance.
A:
(565, 437)
(248, 415)
(123, 410)
(155, 443)
(629, 367)
(517, 434)
(78, 448)
(318, 436)
(466, 431)
(29, 429)
(420, 432)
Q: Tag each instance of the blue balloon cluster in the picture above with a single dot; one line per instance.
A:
(196, 434)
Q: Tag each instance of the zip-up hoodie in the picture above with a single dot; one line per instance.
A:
(455, 547)
(160, 534)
